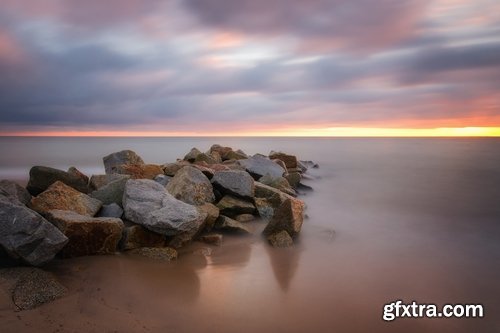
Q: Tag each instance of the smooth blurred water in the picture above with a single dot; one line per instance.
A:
(389, 219)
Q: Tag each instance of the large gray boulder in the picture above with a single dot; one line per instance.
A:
(26, 235)
(12, 189)
(191, 186)
(234, 182)
(42, 177)
(60, 196)
(259, 166)
(149, 204)
(124, 157)
(87, 235)
(111, 192)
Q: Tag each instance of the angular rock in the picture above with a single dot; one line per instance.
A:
(149, 204)
(156, 253)
(170, 169)
(191, 156)
(232, 206)
(294, 179)
(123, 157)
(279, 183)
(26, 235)
(12, 189)
(228, 224)
(111, 210)
(212, 213)
(60, 196)
(212, 239)
(42, 177)
(234, 182)
(209, 159)
(139, 171)
(264, 207)
(234, 155)
(216, 157)
(280, 239)
(136, 236)
(31, 287)
(191, 186)
(112, 192)
(87, 235)
(222, 151)
(98, 181)
(288, 217)
(289, 160)
(208, 172)
(258, 166)
(162, 179)
(281, 164)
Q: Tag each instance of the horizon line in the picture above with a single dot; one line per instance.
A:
(327, 132)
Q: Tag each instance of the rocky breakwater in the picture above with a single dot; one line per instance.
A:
(150, 210)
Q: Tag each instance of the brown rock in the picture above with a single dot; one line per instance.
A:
(136, 236)
(191, 186)
(234, 155)
(139, 171)
(98, 181)
(280, 239)
(87, 235)
(288, 217)
(294, 179)
(170, 169)
(61, 196)
(42, 177)
(123, 157)
(228, 224)
(212, 214)
(289, 160)
(222, 151)
(231, 206)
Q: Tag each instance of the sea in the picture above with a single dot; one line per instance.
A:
(410, 219)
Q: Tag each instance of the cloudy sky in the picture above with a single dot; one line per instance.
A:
(197, 67)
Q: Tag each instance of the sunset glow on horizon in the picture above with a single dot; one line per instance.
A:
(318, 132)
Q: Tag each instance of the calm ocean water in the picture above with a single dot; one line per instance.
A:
(389, 219)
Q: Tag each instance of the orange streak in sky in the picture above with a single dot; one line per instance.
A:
(302, 132)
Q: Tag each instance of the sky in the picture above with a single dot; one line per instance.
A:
(250, 67)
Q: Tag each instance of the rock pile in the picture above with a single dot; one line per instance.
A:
(146, 209)
(137, 205)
